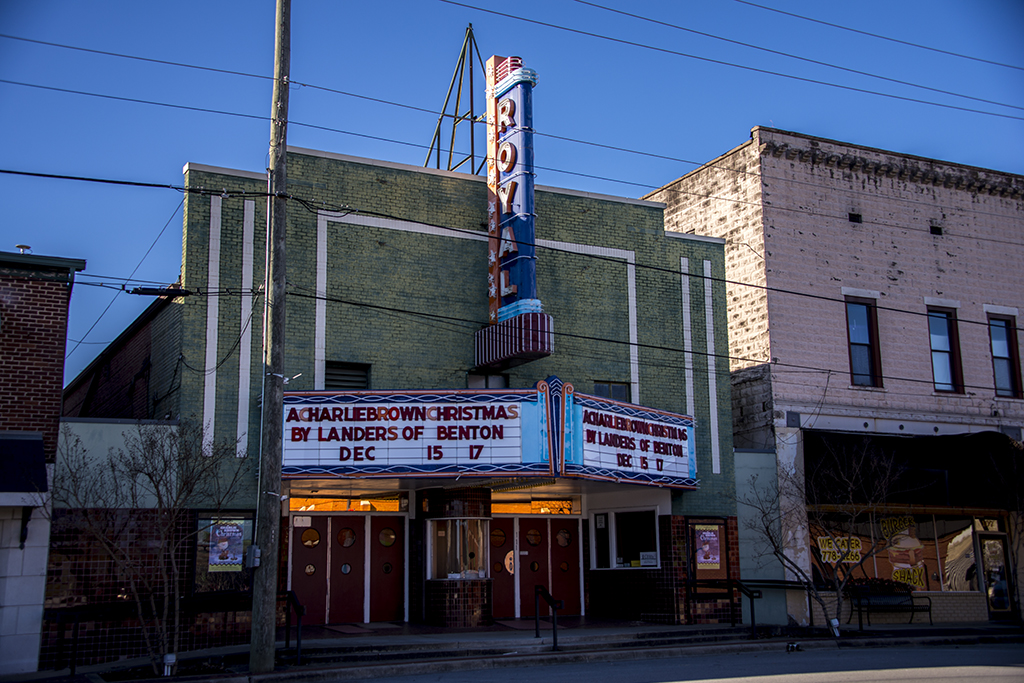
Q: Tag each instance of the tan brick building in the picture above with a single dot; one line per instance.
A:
(875, 294)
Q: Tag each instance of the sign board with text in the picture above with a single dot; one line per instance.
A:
(627, 443)
(416, 433)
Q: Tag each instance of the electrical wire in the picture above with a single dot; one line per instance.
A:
(881, 37)
(797, 57)
(605, 340)
(112, 300)
(646, 186)
(314, 206)
(663, 50)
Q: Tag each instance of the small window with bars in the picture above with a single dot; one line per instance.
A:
(617, 391)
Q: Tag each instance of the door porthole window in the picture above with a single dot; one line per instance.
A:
(387, 568)
(310, 570)
(387, 537)
(535, 566)
(564, 566)
(346, 537)
(564, 538)
(497, 538)
(533, 537)
(346, 568)
(498, 566)
(310, 538)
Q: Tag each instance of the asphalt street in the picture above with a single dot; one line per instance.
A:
(935, 664)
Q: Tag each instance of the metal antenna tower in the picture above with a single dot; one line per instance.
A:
(464, 67)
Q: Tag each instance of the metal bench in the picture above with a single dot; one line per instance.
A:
(883, 595)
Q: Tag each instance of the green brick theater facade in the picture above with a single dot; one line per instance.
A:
(387, 273)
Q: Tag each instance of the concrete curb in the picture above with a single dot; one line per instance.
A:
(623, 654)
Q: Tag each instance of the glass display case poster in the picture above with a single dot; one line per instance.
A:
(226, 547)
(709, 555)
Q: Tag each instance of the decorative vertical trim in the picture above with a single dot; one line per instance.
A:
(684, 268)
(709, 328)
(320, 331)
(327, 571)
(212, 318)
(579, 535)
(367, 547)
(406, 565)
(634, 348)
(245, 320)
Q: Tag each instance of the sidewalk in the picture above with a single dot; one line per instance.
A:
(347, 652)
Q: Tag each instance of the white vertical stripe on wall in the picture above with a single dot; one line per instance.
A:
(684, 267)
(212, 318)
(245, 320)
(634, 349)
(320, 330)
(709, 325)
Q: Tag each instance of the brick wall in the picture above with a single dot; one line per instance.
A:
(374, 273)
(783, 201)
(33, 334)
(947, 607)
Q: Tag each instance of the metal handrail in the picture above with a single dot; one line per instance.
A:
(539, 592)
(292, 602)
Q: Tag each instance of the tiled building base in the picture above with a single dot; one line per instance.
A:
(458, 603)
(947, 607)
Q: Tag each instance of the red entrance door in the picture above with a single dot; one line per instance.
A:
(565, 564)
(348, 569)
(309, 566)
(387, 569)
(504, 568)
(533, 563)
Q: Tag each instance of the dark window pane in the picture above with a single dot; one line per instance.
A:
(857, 316)
(860, 356)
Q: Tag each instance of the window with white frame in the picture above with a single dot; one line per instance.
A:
(624, 539)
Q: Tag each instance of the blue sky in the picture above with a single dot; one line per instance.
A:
(604, 77)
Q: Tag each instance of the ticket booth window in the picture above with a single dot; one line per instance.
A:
(625, 539)
(459, 550)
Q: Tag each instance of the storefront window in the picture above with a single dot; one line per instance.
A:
(220, 553)
(625, 539)
(459, 548)
(911, 555)
(956, 551)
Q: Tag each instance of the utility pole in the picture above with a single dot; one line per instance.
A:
(268, 502)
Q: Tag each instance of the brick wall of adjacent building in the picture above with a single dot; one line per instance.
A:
(786, 204)
(811, 189)
(33, 334)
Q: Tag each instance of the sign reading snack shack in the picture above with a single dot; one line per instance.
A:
(415, 433)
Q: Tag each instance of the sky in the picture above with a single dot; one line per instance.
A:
(644, 90)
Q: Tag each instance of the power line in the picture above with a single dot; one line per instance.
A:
(881, 37)
(797, 57)
(314, 206)
(114, 298)
(419, 146)
(605, 340)
(720, 62)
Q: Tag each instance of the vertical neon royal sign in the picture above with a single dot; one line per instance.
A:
(512, 275)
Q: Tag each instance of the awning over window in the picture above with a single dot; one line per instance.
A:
(22, 464)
